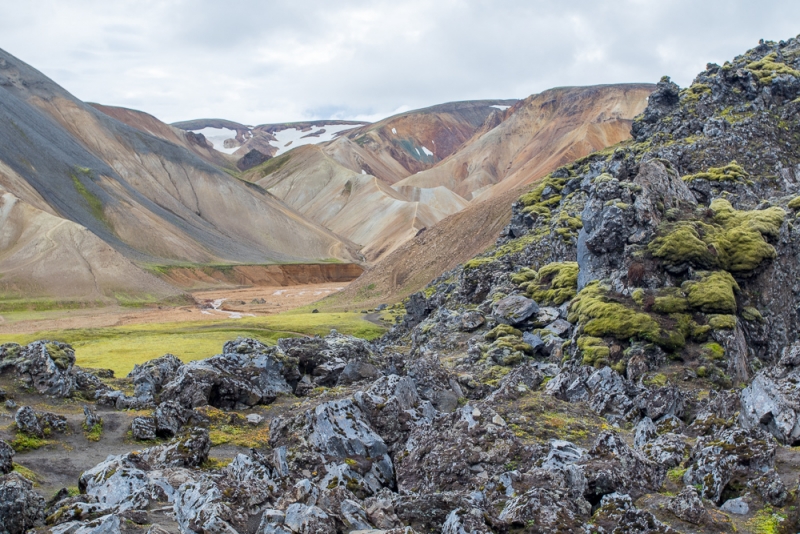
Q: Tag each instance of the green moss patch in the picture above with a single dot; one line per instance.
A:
(502, 330)
(602, 316)
(553, 284)
(594, 351)
(731, 239)
(713, 293)
(768, 68)
(729, 173)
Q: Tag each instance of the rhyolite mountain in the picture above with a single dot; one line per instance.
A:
(85, 195)
(624, 359)
(408, 172)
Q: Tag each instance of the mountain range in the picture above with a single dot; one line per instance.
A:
(99, 201)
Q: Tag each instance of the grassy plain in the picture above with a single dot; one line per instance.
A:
(119, 348)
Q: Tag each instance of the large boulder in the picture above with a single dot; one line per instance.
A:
(21, 508)
(324, 359)
(772, 400)
(35, 423)
(733, 456)
(229, 381)
(612, 466)
(149, 377)
(6, 458)
(474, 443)
(335, 441)
(514, 310)
(45, 365)
(393, 408)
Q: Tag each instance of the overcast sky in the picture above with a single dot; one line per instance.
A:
(261, 61)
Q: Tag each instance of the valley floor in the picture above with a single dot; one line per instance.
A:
(116, 338)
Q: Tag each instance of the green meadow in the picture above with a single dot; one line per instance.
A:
(119, 348)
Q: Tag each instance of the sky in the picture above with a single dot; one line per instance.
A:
(260, 62)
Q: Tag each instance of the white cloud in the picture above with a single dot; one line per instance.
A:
(263, 61)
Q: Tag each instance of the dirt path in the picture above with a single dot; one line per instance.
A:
(210, 305)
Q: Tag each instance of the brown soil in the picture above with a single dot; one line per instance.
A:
(432, 252)
(277, 299)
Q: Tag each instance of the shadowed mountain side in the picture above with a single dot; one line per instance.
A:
(359, 207)
(538, 134)
(148, 198)
(411, 266)
(149, 124)
(44, 255)
(410, 142)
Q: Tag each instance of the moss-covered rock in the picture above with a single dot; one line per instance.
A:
(594, 350)
(713, 293)
(601, 316)
(729, 173)
(734, 240)
(554, 284)
(502, 330)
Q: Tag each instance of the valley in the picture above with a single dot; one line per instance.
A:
(573, 311)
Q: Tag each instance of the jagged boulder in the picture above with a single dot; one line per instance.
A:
(6, 458)
(612, 466)
(323, 359)
(35, 423)
(618, 514)
(143, 428)
(688, 506)
(394, 409)
(474, 442)
(335, 441)
(732, 455)
(45, 365)
(514, 310)
(149, 377)
(230, 381)
(169, 418)
(667, 450)
(772, 400)
(21, 508)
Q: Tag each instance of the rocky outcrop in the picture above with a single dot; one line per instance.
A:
(45, 365)
(21, 507)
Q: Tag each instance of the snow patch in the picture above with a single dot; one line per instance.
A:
(501, 108)
(394, 131)
(294, 137)
(363, 171)
(218, 136)
(427, 152)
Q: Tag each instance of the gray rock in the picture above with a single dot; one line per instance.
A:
(644, 432)
(21, 508)
(356, 371)
(254, 419)
(514, 310)
(736, 506)
(688, 506)
(10, 404)
(559, 327)
(667, 450)
(149, 377)
(90, 418)
(771, 400)
(28, 423)
(230, 381)
(534, 340)
(45, 365)
(611, 465)
(303, 519)
(143, 428)
(169, 417)
(717, 459)
(471, 320)
(6, 458)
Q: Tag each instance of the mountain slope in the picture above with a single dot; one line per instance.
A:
(538, 134)
(149, 124)
(149, 199)
(357, 206)
(410, 142)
